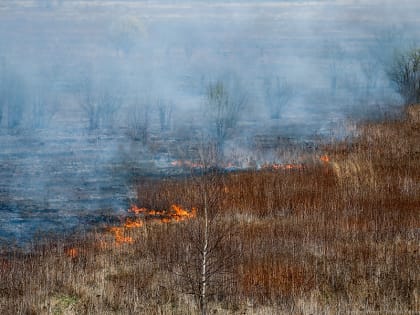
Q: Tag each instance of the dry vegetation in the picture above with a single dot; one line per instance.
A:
(335, 237)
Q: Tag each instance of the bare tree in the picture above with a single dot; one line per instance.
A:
(43, 108)
(138, 121)
(109, 104)
(88, 102)
(386, 42)
(371, 75)
(165, 114)
(209, 255)
(334, 53)
(224, 103)
(99, 103)
(404, 72)
(12, 97)
(381, 52)
(125, 33)
(278, 93)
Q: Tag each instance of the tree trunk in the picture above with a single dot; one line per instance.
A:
(203, 293)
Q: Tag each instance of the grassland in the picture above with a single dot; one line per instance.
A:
(336, 236)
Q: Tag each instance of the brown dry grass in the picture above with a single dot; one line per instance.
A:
(333, 238)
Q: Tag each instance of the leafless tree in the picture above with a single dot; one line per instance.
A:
(386, 42)
(278, 93)
(43, 108)
(98, 102)
(138, 121)
(206, 271)
(109, 104)
(371, 75)
(334, 54)
(404, 72)
(125, 33)
(225, 102)
(12, 97)
(88, 102)
(165, 114)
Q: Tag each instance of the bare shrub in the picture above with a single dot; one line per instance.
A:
(278, 94)
(138, 121)
(404, 72)
(224, 104)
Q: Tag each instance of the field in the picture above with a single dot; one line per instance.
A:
(338, 234)
(223, 157)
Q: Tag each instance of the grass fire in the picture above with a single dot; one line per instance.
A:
(174, 214)
(209, 157)
(339, 235)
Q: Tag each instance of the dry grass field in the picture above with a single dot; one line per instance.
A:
(338, 235)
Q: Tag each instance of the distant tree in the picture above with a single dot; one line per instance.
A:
(12, 97)
(99, 103)
(371, 75)
(188, 48)
(89, 102)
(335, 55)
(126, 32)
(278, 93)
(42, 107)
(224, 103)
(165, 114)
(3, 100)
(109, 104)
(138, 121)
(404, 73)
(386, 42)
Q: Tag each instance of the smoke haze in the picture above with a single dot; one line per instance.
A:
(96, 94)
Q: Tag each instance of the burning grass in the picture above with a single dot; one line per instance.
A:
(175, 213)
(339, 235)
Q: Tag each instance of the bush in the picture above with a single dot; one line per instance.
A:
(405, 74)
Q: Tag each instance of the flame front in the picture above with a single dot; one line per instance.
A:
(133, 223)
(175, 213)
(119, 234)
(137, 210)
(282, 167)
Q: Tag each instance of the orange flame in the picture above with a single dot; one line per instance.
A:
(120, 237)
(133, 223)
(175, 214)
(279, 166)
(72, 252)
(137, 210)
(324, 158)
